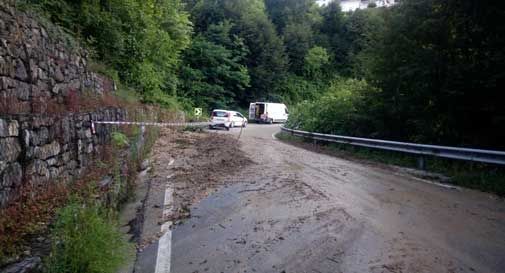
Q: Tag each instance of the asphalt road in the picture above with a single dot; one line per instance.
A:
(298, 211)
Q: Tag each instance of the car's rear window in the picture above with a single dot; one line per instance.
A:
(220, 114)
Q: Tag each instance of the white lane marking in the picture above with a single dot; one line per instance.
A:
(164, 252)
(163, 259)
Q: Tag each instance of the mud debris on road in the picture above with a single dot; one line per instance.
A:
(200, 160)
(260, 205)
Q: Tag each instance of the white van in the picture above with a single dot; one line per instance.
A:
(227, 119)
(268, 112)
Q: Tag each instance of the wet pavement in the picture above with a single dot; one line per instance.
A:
(293, 210)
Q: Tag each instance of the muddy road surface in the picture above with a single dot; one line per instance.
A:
(287, 209)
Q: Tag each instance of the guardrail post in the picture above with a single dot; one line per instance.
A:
(421, 163)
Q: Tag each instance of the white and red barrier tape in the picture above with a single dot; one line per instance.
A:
(159, 124)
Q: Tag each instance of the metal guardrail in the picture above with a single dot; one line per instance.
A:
(468, 154)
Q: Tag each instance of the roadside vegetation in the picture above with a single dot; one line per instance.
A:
(96, 245)
(86, 239)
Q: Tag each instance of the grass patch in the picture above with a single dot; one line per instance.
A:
(86, 239)
(483, 177)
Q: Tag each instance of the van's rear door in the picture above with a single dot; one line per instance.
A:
(252, 111)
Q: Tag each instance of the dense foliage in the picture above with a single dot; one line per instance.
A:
(427, 70)
(440, 67)
(85, 240)
(434, 68)
(343, 108)
(140, 39)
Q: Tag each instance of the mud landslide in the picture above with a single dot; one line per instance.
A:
(200, 161)
(260, 205)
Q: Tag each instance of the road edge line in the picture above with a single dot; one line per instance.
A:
(164, 254)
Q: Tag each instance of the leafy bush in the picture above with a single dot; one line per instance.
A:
(85, 241)
(119, 139)
(342, 109)
(296, 89)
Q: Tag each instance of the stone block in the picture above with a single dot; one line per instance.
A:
(23, 91)
(4, 128)
(59, 88)
(55, 173)
(20, 71)
(41, 137)
(80, 146)
(25, 136)
(37, 122)
(9, 128)
(65, 157)
(26, 265)
(47, 151)
(38, 168)
(6, 83)
(84, 134)
(11, 176)
(58, 75)
(10, 149)
(4, 70)
(52, 161)
(4, 197)
(89, 148)
(3, 165)
(13, 128)
(72, 165)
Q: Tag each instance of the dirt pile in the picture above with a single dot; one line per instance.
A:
(200, 162)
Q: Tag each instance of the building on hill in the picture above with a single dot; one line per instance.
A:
(350, 5)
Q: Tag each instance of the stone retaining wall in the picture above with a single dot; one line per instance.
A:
(43, 71)
(40, 65)
(42, 149)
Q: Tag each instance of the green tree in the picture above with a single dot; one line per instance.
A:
(213, 75)
(266, 59)
(142, 40)
(298, 21)
(439, 64)
(315, 60)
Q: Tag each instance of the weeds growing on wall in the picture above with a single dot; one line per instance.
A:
(28, 214)
(35, 206)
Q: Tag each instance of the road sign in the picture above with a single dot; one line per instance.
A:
(198, 112)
